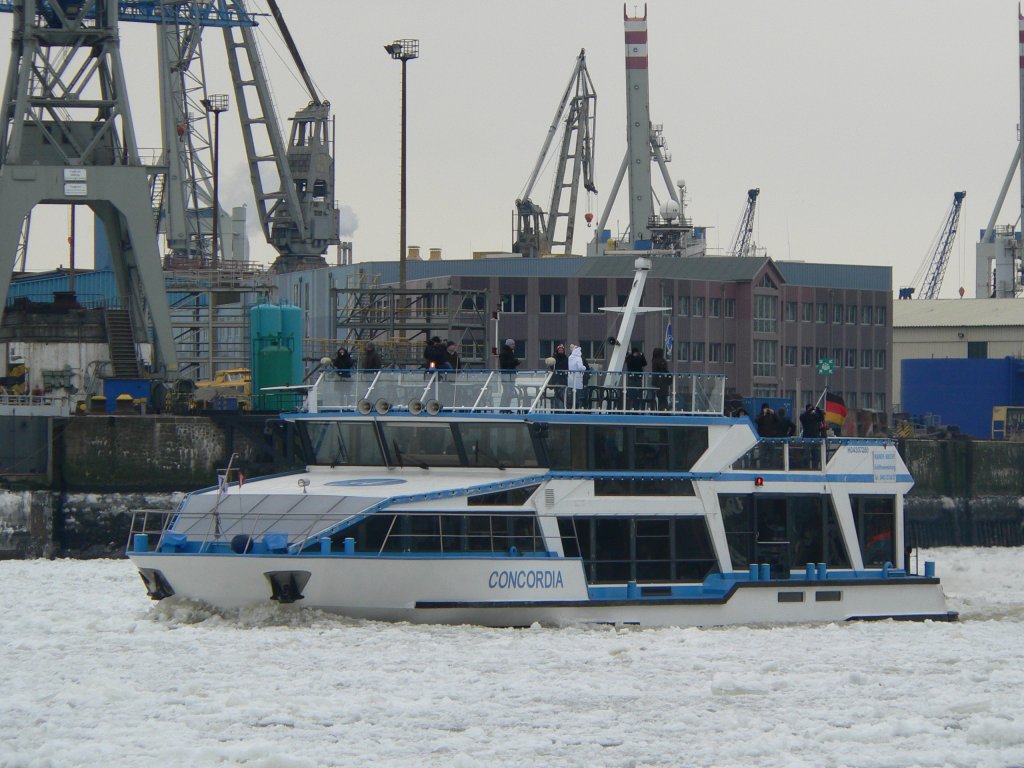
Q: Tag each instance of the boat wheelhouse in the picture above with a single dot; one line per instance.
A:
(479, 497)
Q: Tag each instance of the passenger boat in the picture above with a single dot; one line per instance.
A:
(444, 497)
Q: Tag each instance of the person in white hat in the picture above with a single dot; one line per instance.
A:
(508, 362)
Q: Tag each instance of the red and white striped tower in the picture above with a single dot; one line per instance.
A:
(638, 127)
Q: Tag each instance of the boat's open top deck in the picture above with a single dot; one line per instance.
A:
(521, 392)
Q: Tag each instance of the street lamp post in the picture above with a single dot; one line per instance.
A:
(215, 104)
(403, 51)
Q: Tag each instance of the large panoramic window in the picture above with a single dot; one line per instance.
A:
(449, 533)
(786, 532)
(875, 519)
(642, 549)
(339, 443)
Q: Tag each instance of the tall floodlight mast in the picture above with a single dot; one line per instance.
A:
(68, 139)
(537, 230)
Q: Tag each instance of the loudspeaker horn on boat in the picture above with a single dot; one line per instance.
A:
(382, 406)
(433, 407)
(364, 407)
(415, 407)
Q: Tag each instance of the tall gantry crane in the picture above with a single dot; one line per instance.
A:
(741, 241)
(928, 280)
(540, 232)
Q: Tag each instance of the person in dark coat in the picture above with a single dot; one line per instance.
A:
(343, 363)
(662, 378)
(636, 361)
(451, 356)
(767, 422)
(786, 426)
(507, 363)
(810, 421)
(370, 360)
(561, 376)
(435, 354)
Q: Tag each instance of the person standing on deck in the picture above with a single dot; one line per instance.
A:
(507, 363)
(574, 390)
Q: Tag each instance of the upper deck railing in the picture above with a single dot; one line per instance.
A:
(521, 392)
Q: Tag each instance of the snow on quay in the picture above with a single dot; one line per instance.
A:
(96, 674)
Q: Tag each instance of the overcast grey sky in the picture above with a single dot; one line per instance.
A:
(857, 121)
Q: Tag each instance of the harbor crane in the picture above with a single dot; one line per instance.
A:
(741, 242)
(928, 280)
(540, 232)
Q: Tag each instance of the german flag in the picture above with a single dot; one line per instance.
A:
(835, 409)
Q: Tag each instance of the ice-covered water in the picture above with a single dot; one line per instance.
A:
(94, 674)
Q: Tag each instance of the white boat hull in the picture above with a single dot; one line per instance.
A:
(515, 592)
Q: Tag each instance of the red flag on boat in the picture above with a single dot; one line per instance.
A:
(835, 409)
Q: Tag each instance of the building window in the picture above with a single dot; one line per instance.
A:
(623, 297)
(668, 301)
(977, 350)
(807, 356)
(837, 313)
(765, 357)
(766, 313)
(851, 358)
(592, 350)
(767, 282)
(591, 303)
(789, 355)
(715, 308)
(552, 303)
(837, 357)
(851, 400)
(822, 316)
(821, 355)
(880, 359)
(851, 314)
(807, 312)
(730, 307)
(682, 351)
(880, 401)
(684, 306)
(730, 353)
(697, 351)
(472, 350)
(547, 347)
(865, 358)
(880, 315)
(865, 314)
(714, 352)
(790, 309)
(698, 306)
(513, 302)
(474, 301)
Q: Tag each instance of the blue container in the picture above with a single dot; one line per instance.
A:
(811, 572)
(325, 545)
(822, 571)
(137, 389)
(141, 542)
(765, 572)
(264, 321)
(632, 590)
(350, 546)
(753, 571)
(929, 569)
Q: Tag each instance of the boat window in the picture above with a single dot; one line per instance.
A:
(785, 532)
(641, 549)
(642, 486)
(421, 444)
(875, 520)
(369, 534)
(453, 533)
(337, 443)
(513, 497)
(609, 447)
(564, 444)
(494, 445)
